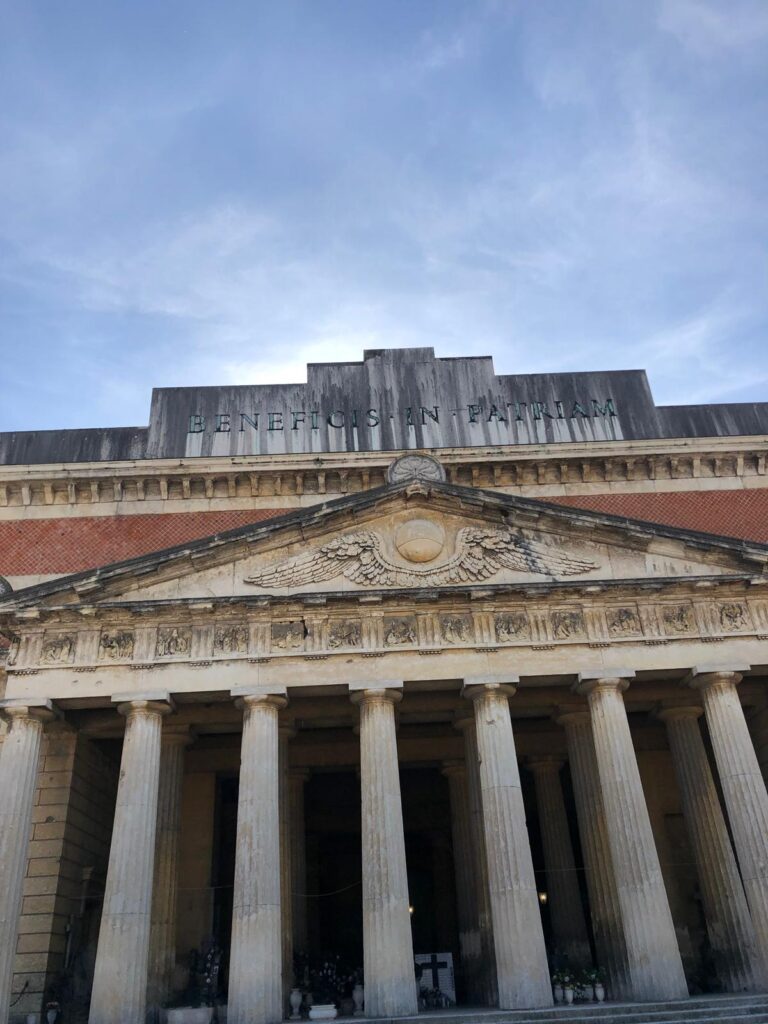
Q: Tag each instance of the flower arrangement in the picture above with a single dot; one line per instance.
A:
(328, 981)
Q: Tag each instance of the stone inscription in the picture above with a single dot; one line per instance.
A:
(479, 411)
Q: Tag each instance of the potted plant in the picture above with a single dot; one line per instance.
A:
(52, 1011)
(358, 993)
(568, 988)
(195, 1005)
(596, 980)
(325, 982)
(557, 986)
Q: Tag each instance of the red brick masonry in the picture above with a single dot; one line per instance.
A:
(52, 546)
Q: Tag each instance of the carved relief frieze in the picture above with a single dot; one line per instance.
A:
(230, 639)
(623, 622)
(288, 636)
(345, 633)
(58, 649)
(512, 627)
(733, 616)
(116, 645)
(677, 619)
(173, 641)
(568, 624)
(456, 629)
(399, 631)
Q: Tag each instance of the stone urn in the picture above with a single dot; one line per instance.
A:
(599, 990)
(358, 999)
(567, 995)
(323, 1011)
(295, 1000)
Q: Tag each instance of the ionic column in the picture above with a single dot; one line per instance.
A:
(119, 994)
(390, 989)
(522, 972)
(653, 956)
(162, 939)
(286, 732)
(731, 934)
(744, 792)
(297, 778)
(566, 911)
(255, 966)
(484, 978)
(605, 909)
(469, 934)
(19, 760)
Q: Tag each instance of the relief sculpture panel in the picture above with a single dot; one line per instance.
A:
(511, 626)
(347, 633)
(116, 645)
(58, 650)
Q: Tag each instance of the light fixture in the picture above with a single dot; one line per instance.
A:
(410, 909)
(542, 898)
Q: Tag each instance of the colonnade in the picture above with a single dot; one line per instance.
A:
(498, 910)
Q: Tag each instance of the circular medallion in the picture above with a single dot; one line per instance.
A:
(419, 540)
(415, 467)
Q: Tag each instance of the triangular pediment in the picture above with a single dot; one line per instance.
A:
(407, 537)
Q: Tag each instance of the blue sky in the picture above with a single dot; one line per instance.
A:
(198, 193)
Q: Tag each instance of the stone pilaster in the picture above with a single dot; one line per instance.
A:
(255, 965)
(390, 989)
(605, 909)
(19, 760)
(485, 989)
(297, 779)
(744, 792)
(119, 994)
(466, 886)
(286, 733)
(162, 944)
(729, 925)
(569, 927)
(522, 971)
(653, 956)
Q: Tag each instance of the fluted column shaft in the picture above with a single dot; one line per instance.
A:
(469, 936)
(729, 926)
(19, 760)
(522, 971)
(119, 994)
(485, 988)
(653, 956)
(744, 793)
(390, 989)
(285, 734)
(297, 779)
(162, 942)
(604, 905)
(566, 911)
(255, 966)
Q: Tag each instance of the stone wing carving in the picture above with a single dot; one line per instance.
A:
(480, 554)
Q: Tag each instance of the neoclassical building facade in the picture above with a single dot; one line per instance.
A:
(416, 660)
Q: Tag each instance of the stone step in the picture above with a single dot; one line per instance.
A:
(725, 1009)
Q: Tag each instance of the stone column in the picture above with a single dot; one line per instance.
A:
(390, 988)
(466, 885)
(729, 925)
(485, 989)
(119, 994)
(286, 732)
(522, 971)
(653, 956)
(744, 792)
(604, 906)
(569, 926)
(255, 962)
(297, 778)
(19, 761)
(162, 940)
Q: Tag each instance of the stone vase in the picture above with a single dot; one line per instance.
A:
(557, 993)
(599, 990)
(295, 1000)
(567, 995)
(358, 999)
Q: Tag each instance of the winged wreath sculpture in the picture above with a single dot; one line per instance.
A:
(480, 554)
